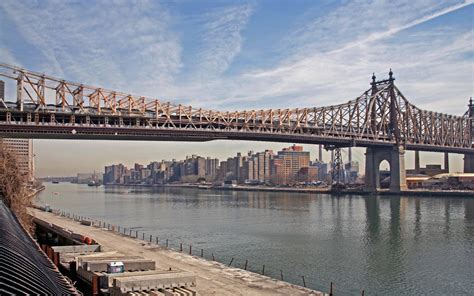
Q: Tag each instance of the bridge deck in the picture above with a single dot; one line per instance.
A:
(80, 132)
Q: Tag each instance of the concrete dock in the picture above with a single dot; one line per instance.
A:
(213, 278)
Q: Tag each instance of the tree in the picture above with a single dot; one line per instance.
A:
(13, 188)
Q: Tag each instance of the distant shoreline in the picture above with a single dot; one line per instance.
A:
(237, 188)
(325, 190)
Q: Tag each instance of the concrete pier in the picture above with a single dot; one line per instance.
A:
(469, 163)
(213, 278)
(396, 158)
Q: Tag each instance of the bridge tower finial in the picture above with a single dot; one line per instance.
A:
(373, 78)
(390, 75)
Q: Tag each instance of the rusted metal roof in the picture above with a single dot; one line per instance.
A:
(24, 268)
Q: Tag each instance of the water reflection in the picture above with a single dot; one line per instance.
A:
(372, 219)
(447, 219)
(417, 229)
(469, 220)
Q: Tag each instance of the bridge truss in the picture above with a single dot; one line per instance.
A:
(47, 107)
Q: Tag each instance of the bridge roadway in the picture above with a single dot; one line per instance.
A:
(83, 132)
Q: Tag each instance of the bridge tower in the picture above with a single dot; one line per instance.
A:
(337, 168)
(19, 91)
(394, 155)
(469, 158)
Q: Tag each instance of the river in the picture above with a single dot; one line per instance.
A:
(384, 245)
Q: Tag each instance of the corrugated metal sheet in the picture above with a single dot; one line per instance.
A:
(24, 268)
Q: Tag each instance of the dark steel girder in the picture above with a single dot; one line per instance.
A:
(163, 134)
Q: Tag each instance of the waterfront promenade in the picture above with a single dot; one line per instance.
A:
(213, 278)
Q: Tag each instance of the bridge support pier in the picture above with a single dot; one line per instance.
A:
(395, 157)
(446, 162)
(468, 163)
(417, 162)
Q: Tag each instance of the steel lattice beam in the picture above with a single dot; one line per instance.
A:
(381, 115)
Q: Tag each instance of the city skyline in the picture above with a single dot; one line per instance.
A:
(183, 153)
(285, 167)
(246, 54)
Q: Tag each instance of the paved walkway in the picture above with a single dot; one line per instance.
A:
(213, 278)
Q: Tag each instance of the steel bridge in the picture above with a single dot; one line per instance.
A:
(381, 118)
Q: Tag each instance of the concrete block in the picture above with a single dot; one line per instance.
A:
(77, 249)
(155, 282)
(185, 291)
(107, 279)
(129, 264)
(111, 256)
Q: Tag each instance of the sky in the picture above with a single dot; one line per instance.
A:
(231, 55)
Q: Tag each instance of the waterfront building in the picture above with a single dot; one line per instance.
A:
(322, 170)
(247, 173)
(212, 164)
(22, 149)
(351, 171)
(200, 166)
(263, 169)
(221, 172)
(145, 174)
(288, 163)
(231, 169)
(114, 174)
(174, 172)
(308, 174)
(238, 163)
(277, 171)
(429, 170)
(255, 168)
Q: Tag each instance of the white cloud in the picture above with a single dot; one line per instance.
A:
(125, 45)
(8, 57)
(336, 60)
(221, 39)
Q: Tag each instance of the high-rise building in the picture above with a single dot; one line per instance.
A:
(352, 171)
(222, 171)
(212, 164)
(288, 163)
(255, 168)
(200, 166)
(322, 170)
(114, 174)
(262, 171)
(22, 149)
(308, 174)
(247, 169)
(232, 167)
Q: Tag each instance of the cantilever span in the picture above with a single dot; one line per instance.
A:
(48, 107)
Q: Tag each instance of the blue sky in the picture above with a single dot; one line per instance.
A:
(240, 54)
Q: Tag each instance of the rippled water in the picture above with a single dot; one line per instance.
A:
(384, 245)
